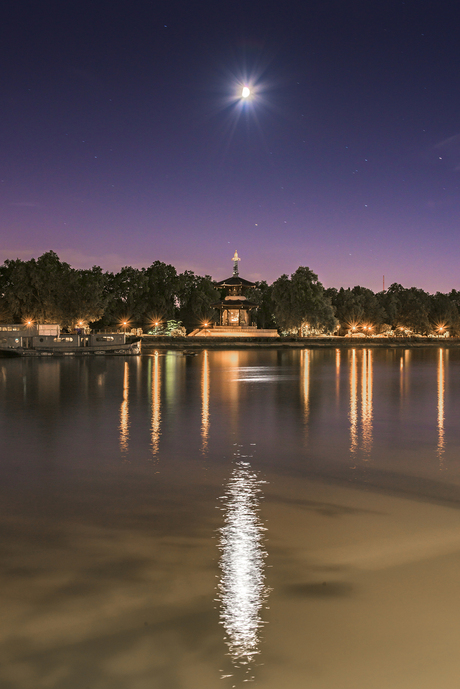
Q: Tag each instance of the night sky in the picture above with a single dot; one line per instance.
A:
(124, 139)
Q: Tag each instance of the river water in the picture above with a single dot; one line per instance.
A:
(277, 518)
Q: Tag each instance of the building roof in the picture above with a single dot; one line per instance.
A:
(234, 304)
(235, 281)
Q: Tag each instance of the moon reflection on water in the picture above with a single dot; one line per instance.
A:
(242, 587)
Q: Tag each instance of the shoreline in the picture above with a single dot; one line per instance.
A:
(150, 343)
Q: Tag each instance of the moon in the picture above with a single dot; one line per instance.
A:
(245, 92)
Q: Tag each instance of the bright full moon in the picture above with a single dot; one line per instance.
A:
(245, 92)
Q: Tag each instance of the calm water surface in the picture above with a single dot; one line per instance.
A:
(283, 518)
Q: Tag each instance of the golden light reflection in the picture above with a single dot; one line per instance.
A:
(155, 424)
(228, 386)
(441, 398)
(305, 383)
(353, 403)
(124, 412)
(404, 370)
(242, 587)
(205, 402)
(361, 422)
(366, 404)
(337, 375)
(231, 361)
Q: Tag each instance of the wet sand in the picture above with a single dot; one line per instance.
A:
(364, 590)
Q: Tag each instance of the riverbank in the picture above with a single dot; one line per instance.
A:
(150, 342)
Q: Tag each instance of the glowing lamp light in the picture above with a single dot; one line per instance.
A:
(246, 92)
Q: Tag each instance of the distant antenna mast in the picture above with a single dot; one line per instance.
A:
(384, 283)
(235, 260)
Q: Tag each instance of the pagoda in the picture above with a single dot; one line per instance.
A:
(236, 312)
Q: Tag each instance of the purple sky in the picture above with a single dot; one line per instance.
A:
(123, 141)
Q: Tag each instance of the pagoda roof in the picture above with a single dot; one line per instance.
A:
(234, 281)
(234, 304)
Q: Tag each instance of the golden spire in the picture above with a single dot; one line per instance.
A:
(235, 260)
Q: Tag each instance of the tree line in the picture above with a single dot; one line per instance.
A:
(48, 290)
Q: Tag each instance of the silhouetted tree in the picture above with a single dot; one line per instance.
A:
(125, 294)
(261, 295)
(300, 301)
(444, 314)
(194, 295)
(161, 292)
(48, 290)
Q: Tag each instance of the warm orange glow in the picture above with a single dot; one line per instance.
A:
(155, 320)
(124, 412)
(337, 374)
(155, 424)
(366, 402)
(361, 406)
(353, 326)
(441, 396)
(205, 402)
(305, 389)
(353, 414)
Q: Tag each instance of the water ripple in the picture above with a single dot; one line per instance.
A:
(242, 588)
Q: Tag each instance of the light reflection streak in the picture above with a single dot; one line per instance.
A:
(155, 424)
(124, 412)
(441, 397)
(242, 588)
(353, 403)
(205, 402)
(366, 385)
(305, 382)
(361, 421)
(337, 375)
(407, 361)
